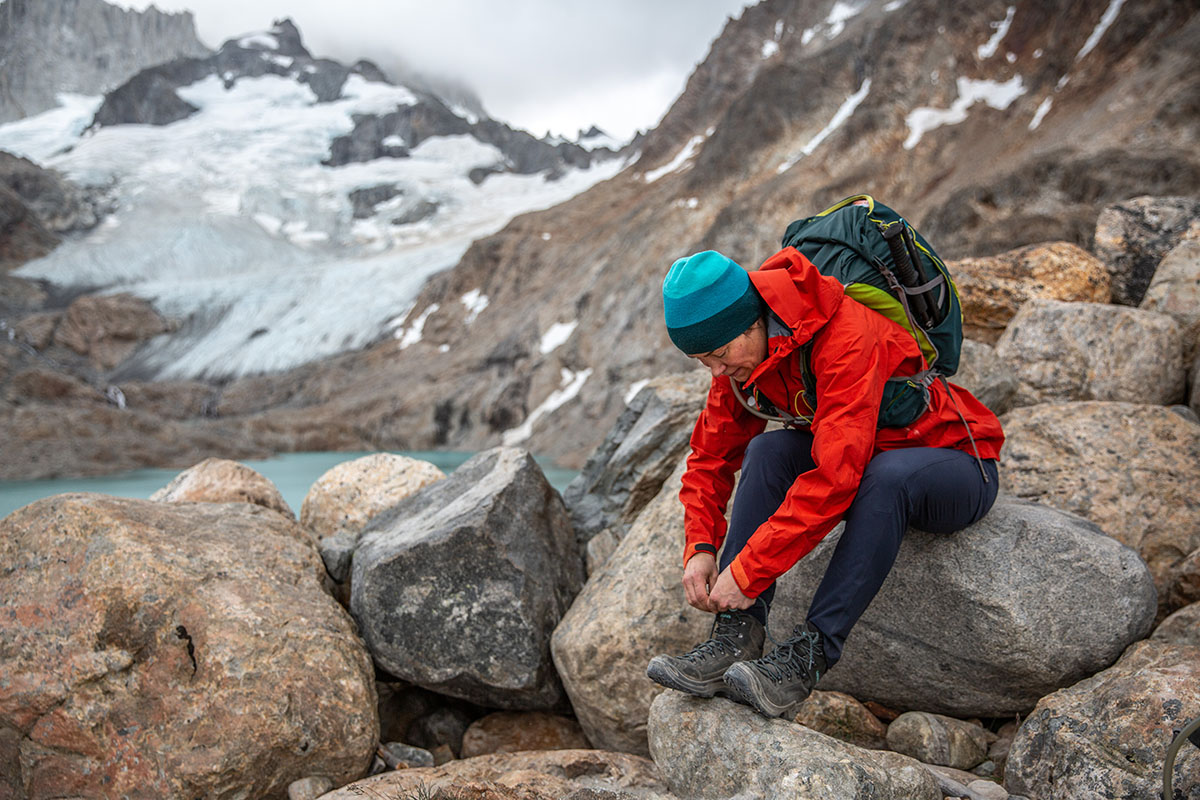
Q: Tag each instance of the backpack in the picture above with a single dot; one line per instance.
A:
(887, 266)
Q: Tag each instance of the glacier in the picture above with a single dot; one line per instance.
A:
(229, 222)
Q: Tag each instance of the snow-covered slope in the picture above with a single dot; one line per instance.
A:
(229, 220)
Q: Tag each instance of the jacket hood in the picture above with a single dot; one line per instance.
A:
(797, 292)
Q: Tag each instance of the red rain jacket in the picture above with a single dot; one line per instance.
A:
(854, 351)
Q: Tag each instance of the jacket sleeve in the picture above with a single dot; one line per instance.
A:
(718, 444)
(851, 369)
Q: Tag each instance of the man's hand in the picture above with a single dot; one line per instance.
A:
(699, 575)
(727, 595)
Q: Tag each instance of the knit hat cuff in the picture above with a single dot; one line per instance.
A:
(722, 327)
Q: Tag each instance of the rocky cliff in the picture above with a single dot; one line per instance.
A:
(990, 126)
(81, 46)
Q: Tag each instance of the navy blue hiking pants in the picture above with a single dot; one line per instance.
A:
(934, 489)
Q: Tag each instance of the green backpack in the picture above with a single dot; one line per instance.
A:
(889, 267)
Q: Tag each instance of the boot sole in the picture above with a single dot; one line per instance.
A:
(661, 672)
(745, 687)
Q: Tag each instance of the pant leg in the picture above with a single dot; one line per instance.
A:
(933, 489)
(771, 465)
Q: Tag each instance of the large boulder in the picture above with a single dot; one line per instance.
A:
(1182, 627)
(173, 651)
(994, 287)
(458, 587)
(347, 496)
(533, 775)
(1133, 236)
(717, 749)
(1090, 351)
(1175, 288)
(631, 610)
(219, 480)
(1107, 736)
(640, 452)
(985, 621)
(1130, 469)
(108, 328)
(987, 376)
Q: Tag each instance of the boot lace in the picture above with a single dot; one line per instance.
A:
(727, 630)
(794, 658)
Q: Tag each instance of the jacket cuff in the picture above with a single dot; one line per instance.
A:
(698, 547)
(740, 577)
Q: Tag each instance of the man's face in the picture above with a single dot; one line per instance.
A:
(738, 358)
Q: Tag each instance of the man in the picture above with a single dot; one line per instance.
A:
(759, 333)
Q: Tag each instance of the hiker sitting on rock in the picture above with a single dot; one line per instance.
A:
(795, 345)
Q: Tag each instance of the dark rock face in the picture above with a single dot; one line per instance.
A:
(83, 46)
(458, 587)
(1132, 237)
(59, 205)
(150, 97)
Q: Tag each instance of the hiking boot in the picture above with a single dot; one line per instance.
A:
(736, 636)
(776, 684)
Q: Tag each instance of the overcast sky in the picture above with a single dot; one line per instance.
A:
(541, 65)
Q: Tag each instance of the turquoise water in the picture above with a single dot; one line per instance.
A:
(292, 473)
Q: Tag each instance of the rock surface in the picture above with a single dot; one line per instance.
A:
(1130, 469)
(842, 717)
(984, 374)
(347, 496)
(458, 587)
(1182, 627)
(1133, 236)
(628, 612)
(718, 749)
(217, 480)
(1107, 736)
(85, 47)
(552, 775)
(512, 732)
(174, 651)
(986, 621)
(993, 288)
(640, 452)
(1175, 287)
(937, 739)
(1089, 351)
(108, 328)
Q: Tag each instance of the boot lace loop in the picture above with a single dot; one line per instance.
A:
(792, 658)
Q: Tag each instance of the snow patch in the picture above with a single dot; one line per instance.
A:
(807, 36)
(997, 95)
(546, 236)
(678, 162)
(843, 113)
(1042, 110)
(634, 388)
(258, 41)
(687, 202)
(894, 5)
(556, 336)
(988, 49)
(839, 15)
(769, 48)
(778, 29)
(1110, 15)
(412, 334)
(395, 140)
(475, 301)
(572, 382)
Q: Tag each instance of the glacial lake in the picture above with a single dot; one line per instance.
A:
(292, 473)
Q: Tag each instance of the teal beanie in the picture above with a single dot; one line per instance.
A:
(708, 301)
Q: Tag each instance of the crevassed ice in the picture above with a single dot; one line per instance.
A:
(572, 383)
(997, 95)
(556, 336)
(228, 221)
(988, 49)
